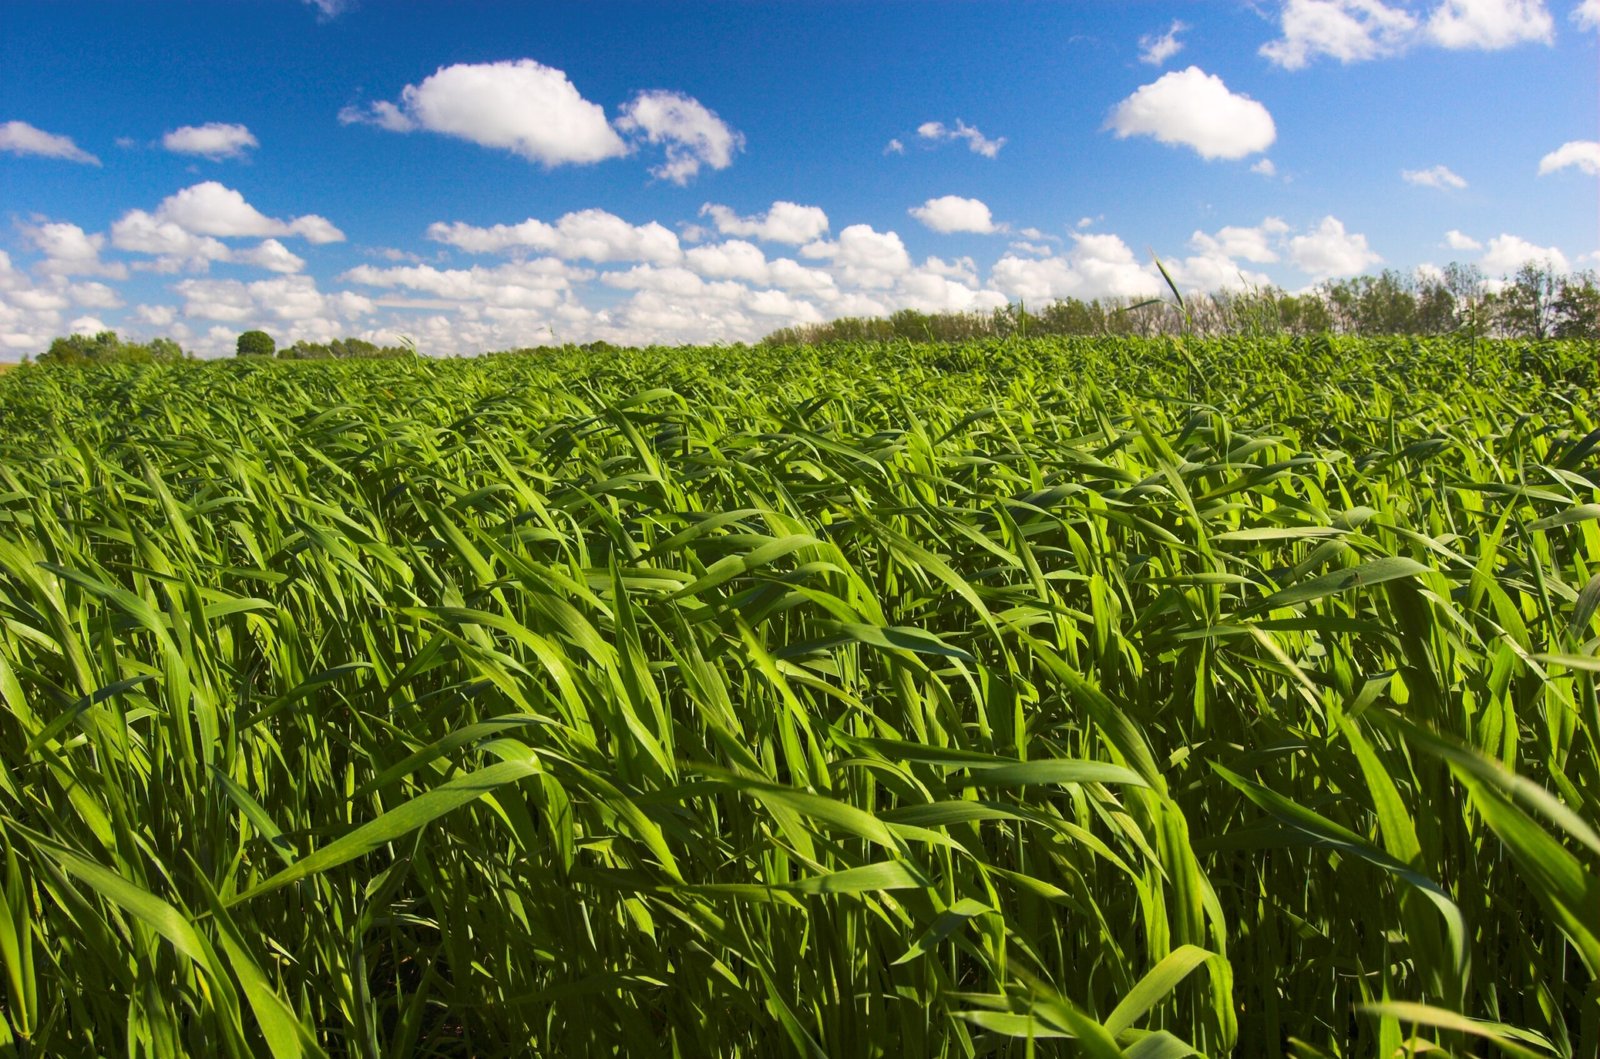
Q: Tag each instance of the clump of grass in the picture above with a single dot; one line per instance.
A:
(1030, 698)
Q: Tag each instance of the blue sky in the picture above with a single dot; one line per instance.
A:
(487, 175)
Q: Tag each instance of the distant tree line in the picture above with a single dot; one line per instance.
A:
(106, 348)
(260, 344)
(344, 349)
(1536, 303)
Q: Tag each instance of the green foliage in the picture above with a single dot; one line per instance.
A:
(106, 348)
(1537, 303)
(254, 344)
(1020, 697)
(1576, 310)
(344, 349)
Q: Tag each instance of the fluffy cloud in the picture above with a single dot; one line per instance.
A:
(1583, 155)
(174, 246)
(270, 255)
(283, 299)
(1213, 272)
(894, 146)
(1507, 253)
(1435, 177)
(209, 208)
(590, 235)
(1195, 109)
(93, 296)
(1322, 252)
(182, 232)
(927, 291)
(952, 213)
(534, 111)
(1586, 15)
(734, 259)
(87, 325)
(785, 222)
(213, 140)
(1156, 49)
(1096, 266)
(976, 141)
(1346, 30)
(693, 135)
(1266, 167)
(70, 251)
(155, 315)
(1489, 25)
(1359, 30)
(521, 106)
(1328, 250)
(738, 260)
(1258, 244)
(18, 137)
(537, 284)
(1461, 241)
(869, 258)
(29, 316)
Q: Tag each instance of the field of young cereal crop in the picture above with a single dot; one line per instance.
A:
(1081, 698)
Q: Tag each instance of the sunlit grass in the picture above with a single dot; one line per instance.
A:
(1049, 698)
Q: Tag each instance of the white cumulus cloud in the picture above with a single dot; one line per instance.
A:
(1157, 48)
(536, 284)
(952, 213)
(1192, 108)
(869, 258)
(283, 299)
(70, 251)
(1096, 266)
(734, 259)
(18, 137)
(592, 235)
(270, 255)
(174, 246)
(1353, 31)
(1259, 244)
(520, 106)
(181, 234)
(1433, 177)
(1586, 15)
(1489, 25)
(693, 135)
(976, 141)
(1582, 155)
(210, 208)
(1328, 250)
(1456, 240)
(785, 222)
(1346, 30)
(1507, 253)
(214, 140)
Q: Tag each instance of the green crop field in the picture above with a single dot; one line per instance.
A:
(1056, 697)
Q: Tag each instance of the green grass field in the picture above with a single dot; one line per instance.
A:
(1076, 697)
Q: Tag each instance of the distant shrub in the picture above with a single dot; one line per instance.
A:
(344, 349)
(255, 344)
(106, 348)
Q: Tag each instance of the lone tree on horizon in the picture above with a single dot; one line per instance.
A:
(255, 344)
